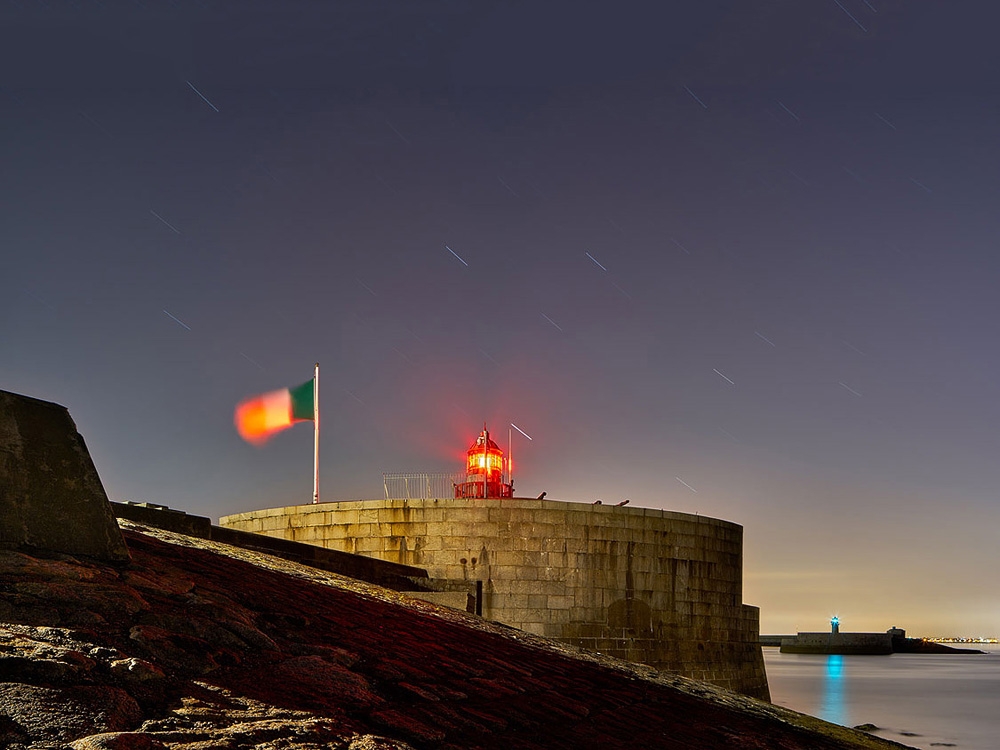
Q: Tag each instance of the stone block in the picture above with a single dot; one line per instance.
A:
(281, 524)
(394, 512)
(504, 558)
(485, 530)
(51, 497)
(546, 531)
(509, 602)
(519, 529)
(507, 515)
(466, 515)
(304, 534)
(429, 514)
(360, 530)
(523, 544)
(402, 529)
(555, 544)
(316, 518)
(460, 528)
(537, 601)
(560, 603)
(556, 516)
(435, 528)
(528, 503)
(342, 516)
(432, 545)
(526, 573)
(461, 545)
(336, 531)
(530, 588)
(574, 533)
(372, 544)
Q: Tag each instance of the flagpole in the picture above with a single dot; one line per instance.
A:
(510, 460)
(316, 434)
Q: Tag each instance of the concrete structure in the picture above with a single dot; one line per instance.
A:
(649, 586)
(836, 642)
(50, 495)
(892, 641)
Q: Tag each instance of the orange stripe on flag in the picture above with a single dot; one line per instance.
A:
(258, 418)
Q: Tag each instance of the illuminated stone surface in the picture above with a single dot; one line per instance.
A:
(198, 644)
(649, 586)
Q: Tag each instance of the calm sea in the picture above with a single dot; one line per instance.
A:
(927, 701)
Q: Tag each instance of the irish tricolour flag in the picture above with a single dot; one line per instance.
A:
(258, 418)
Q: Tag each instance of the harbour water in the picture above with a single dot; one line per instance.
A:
(927, 701)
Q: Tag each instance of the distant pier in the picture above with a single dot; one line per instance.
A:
(893, 641)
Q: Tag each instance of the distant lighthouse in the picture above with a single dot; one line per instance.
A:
(487, 473)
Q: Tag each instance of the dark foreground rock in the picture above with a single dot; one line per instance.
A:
(198, 645)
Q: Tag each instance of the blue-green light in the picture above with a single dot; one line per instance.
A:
(833, 706)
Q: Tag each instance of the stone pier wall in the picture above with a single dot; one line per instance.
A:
(650, 586)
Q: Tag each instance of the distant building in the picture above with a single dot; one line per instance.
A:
(836, 642)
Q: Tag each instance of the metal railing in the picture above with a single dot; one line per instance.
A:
(420, 485)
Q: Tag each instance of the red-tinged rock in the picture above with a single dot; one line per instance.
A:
(372, 742)
(412, 728)
(498, 686)
(427, 695)
(118, 741)
(332, 654)
(109, 601)
(391, 671)
(158, 583)
(319, 683)
(21, 564)
(135, 670)
(175, 652)
(337, 673)
(453, 719)
(495, 723)
(52, 715)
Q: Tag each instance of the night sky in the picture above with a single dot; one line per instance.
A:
(734, 258)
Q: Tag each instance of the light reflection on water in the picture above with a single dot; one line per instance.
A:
(831, 705)
(920, 700)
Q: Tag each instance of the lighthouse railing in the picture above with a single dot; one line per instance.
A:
(400, 485)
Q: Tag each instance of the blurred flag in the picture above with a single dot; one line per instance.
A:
(258, 418)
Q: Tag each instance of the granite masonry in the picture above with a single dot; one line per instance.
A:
(649, 586)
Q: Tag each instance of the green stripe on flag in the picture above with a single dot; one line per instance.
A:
(302, 400)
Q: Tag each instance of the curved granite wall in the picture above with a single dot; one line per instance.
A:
(650, 586)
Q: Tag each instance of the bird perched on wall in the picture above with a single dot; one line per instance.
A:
(623, 502)
(541, 496)
(598, 502)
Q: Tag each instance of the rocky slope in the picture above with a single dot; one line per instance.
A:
(198, 645)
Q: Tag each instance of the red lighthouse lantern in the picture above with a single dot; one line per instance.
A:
(487, 473)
